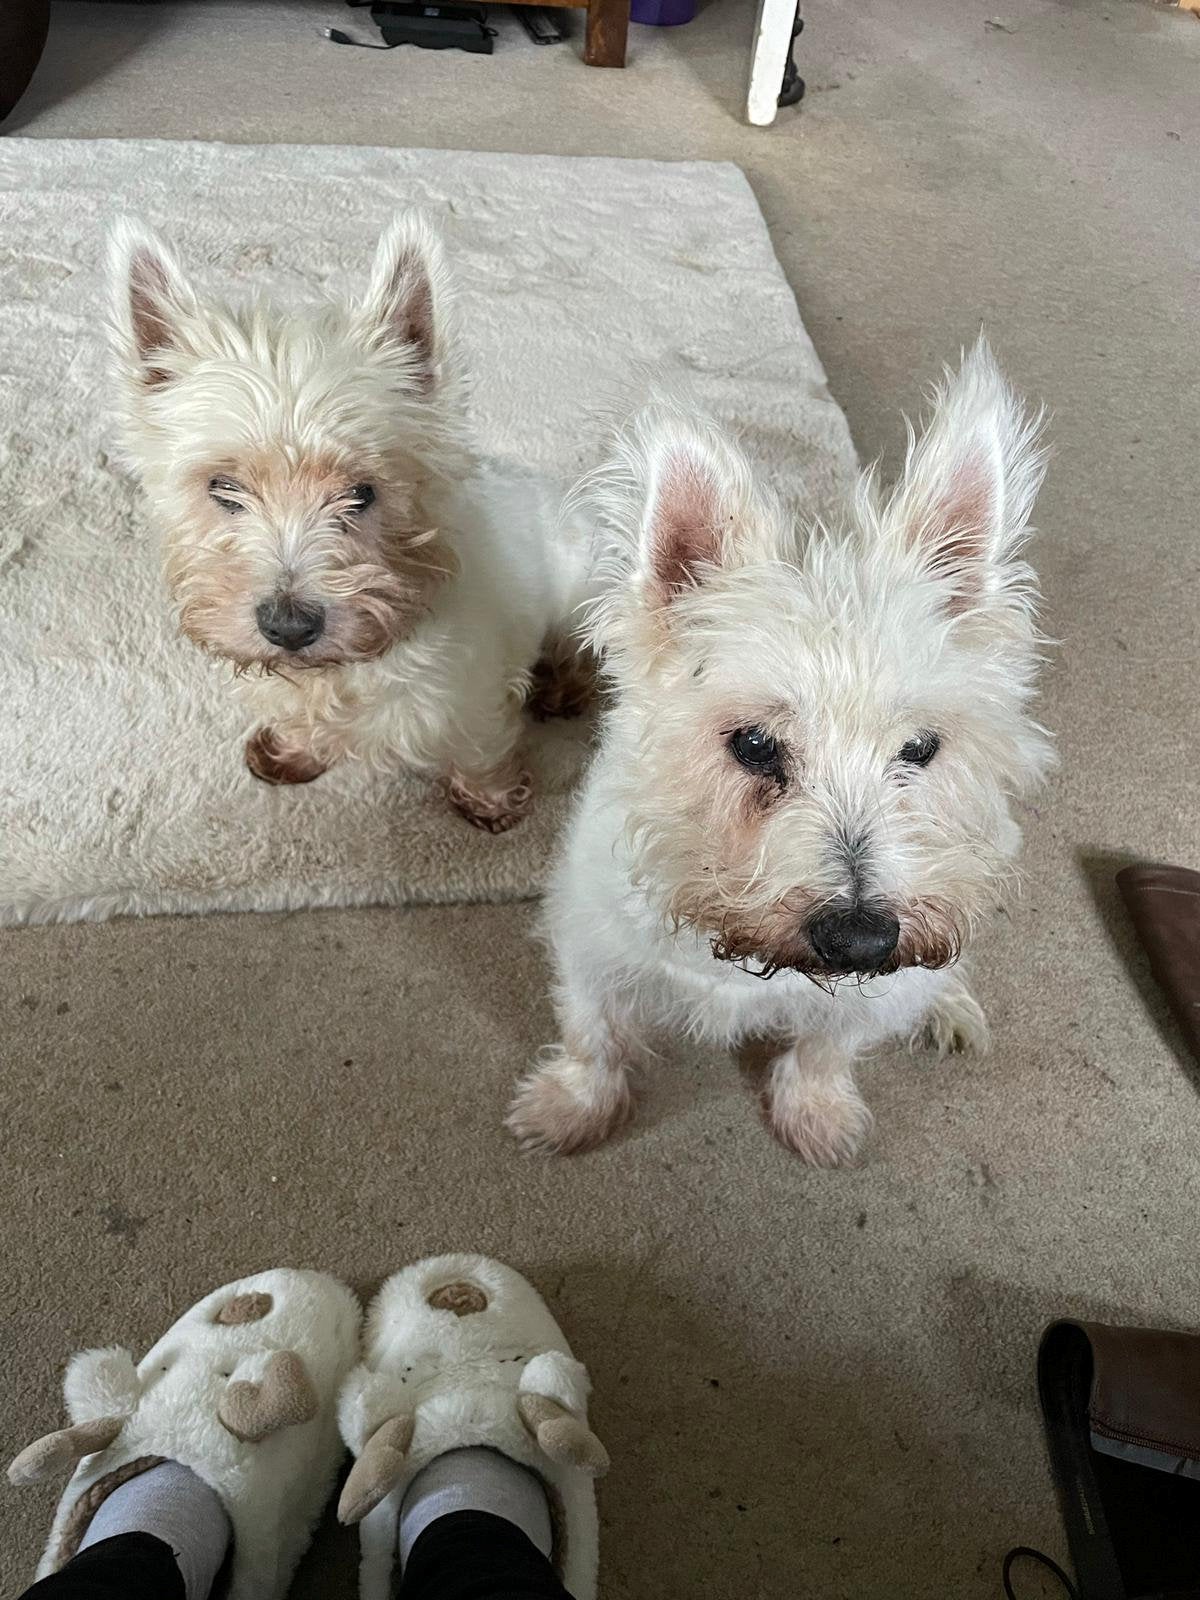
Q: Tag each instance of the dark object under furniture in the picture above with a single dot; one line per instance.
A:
(607, 26)
(428, 27)
(23, 28)
(607, 29)
(540, 25)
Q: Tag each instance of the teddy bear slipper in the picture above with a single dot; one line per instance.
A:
(460, 1350)
(243, 1391)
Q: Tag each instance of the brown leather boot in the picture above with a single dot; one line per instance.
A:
(1121, 1408)
(1164, 906)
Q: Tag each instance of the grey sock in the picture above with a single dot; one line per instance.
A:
(475, 1480)
(176, 1506)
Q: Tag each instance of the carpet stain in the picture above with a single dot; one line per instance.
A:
(121, 1223)
(253, 256)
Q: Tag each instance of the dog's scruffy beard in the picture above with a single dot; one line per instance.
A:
(773, 940)
(369, 608)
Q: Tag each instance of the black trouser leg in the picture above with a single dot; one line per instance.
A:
(132, 1566)
(471, 1555)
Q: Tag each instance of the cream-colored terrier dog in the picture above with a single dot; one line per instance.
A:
(328, 530)
(800, 808)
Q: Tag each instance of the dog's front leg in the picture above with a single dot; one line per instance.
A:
(579, 1093)
(288, 753)
(955, 1021)
(488, 783)
(812, 1104)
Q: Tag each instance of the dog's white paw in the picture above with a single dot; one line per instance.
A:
(565, 1106)
(273, 758)
(824, 1120)
(494, 810)
(956, 1023)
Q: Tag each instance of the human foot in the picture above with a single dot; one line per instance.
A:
(235, 1405)
(468, 1397)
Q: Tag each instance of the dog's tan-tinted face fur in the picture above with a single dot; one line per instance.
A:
(823, 730)
(271, 538)
(284, 454)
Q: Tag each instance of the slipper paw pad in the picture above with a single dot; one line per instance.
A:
(244, 1308)
(464, 1299)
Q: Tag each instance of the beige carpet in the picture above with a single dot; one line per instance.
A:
(122, 786)
(813, 1386)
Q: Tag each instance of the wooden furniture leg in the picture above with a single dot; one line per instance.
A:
(607, 29)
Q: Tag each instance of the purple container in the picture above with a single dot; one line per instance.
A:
(662, 13)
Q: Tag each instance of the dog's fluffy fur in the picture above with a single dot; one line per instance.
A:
(318, 460)
(692, 881)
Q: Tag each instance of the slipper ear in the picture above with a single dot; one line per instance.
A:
(564, 1438)
(555, 1373)
(377, 1471)
(283, 1397)
(101, 1383)
(56, 1454)
(366, 1401)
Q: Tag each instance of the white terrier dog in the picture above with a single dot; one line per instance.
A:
(799, 810)
(328, 530)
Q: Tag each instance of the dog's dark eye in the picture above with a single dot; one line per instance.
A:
(360, 497)
(755, 749)
(919, 752)
(222, 490)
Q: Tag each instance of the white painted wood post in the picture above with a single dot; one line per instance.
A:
(772, 35)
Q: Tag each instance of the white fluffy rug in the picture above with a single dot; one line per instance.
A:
(122, 787)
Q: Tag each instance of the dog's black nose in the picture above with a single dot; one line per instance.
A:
(288, 624)
(854, 938)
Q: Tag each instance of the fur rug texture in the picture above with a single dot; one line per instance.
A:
(122, 788)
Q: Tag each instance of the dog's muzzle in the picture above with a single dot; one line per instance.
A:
(854, 939)
(288, 624)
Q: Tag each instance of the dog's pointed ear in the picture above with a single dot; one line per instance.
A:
(405, 300)
(151, 300)
(969, 484)
(698, 511)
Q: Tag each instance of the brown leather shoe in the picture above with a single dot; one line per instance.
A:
(1121, 1408)
(1164, 905)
